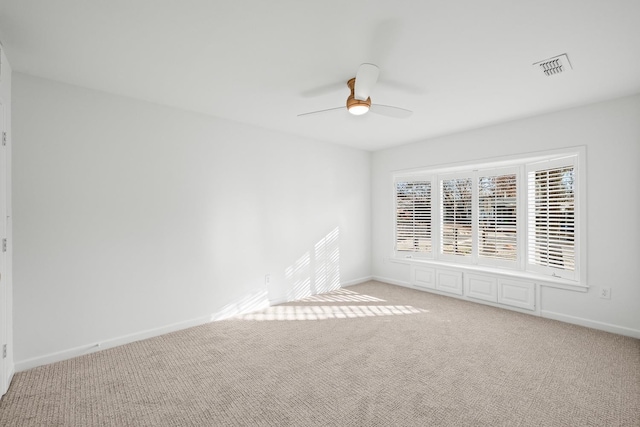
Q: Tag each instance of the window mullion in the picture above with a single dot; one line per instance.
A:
(436, 217)
(522, 216)
(475, 208)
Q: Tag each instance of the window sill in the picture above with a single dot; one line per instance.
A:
(548, 281)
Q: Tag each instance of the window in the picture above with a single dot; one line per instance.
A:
(552, 218)
(521, 214)
(455, 217)
(498, 217)
(413, 217)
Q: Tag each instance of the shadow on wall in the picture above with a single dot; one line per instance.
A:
(316, 271)
(257, 300)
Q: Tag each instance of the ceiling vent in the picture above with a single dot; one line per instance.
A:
(553, 66)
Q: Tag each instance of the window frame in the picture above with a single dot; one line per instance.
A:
(517, 263)
(410, 253)
(556, 272)
(454, 257)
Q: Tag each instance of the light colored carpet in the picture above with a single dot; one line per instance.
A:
(369, 355)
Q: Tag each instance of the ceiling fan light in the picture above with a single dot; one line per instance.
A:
(359, 109)
(356, 106)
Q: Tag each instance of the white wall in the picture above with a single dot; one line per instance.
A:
(132, 219)
(611, 133)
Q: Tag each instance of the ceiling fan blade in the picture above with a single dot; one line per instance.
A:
(389, 111)
(322, 111)
(366, 78)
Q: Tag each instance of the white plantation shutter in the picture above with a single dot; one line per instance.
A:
(498, 217)
(413, 216)
(456, 216)
(551, 218)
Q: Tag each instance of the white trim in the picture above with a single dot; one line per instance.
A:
(607, 327)
(548, 281)
(580, 321)
(12, 372)
(110, 343)
(520, 213)
(534, 312)
(6, 236)
(406, 260)
(552, 164)
(278, 301)
(565, 318)
(356, 281)
(390, 281)
(433, 192)
(438, 224)
(491, 162)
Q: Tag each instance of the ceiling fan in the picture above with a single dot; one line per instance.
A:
(359, 102)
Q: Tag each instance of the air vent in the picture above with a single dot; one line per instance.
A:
(553, 66)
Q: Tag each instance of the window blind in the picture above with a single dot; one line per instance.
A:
(551, 218)
(413, 216)
(497, 217)
(456, 216)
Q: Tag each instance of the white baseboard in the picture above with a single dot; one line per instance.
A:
(277, 301)
(33, 362)
(356, 281)
(255, 301)
(12, 372)
(8, 384)
(607, 327)
(393, 281)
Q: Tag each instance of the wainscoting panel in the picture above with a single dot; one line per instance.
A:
(516, 293)
(449, 281)
(481, 287)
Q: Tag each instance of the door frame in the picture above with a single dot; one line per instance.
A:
(4, 274)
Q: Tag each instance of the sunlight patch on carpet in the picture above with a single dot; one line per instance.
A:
(294, 312)
(342, 295)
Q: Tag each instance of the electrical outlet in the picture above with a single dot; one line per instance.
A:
(605, 292)
(267, 279)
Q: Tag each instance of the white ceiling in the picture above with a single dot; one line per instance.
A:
(457, 64)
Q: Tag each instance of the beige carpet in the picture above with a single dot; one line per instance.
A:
(369, 355)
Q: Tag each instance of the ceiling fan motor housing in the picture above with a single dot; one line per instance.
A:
(352, 101)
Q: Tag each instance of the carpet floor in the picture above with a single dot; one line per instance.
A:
(368, 355)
